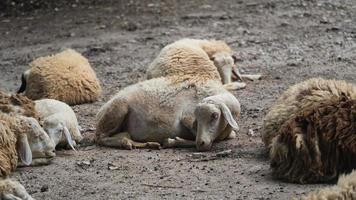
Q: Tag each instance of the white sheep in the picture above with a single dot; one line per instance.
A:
(66, 76)
(217, 52)
(23, 139)
(172, 111)
(59, 121)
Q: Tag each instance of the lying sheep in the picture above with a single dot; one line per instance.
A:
(345, 190)
(19, 140)
(59, 121)
(316, 141)
(66, 76)
(171, 111)
(180, 51)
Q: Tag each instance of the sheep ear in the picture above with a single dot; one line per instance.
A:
(23, 84)
(236, 72)
(228, 116)
(68, 137)
(24, 150)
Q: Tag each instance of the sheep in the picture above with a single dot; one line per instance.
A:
(345, 189)
(314, 136)
(59, 121)
(19, 140)
(217, 52)
(66, 76)
(171, 111)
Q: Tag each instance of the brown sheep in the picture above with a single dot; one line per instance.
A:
(317, 141)
(66, 76)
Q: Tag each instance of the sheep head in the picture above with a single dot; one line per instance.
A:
(225, 63)
(215, 120)
(41, 146)
(57, 129)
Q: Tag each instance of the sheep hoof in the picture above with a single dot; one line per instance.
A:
(168, 143)
(153, 145)
(232, 135)
(235, 86)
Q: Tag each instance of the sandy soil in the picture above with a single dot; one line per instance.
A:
(287, 41)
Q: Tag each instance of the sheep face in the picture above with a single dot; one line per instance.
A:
(225, 64)
(213, 120)
(56, 130)
(41, 145)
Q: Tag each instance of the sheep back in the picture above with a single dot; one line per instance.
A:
(299, 96)
(66, 76)
(183, 61)
(8, 153)
(212, 47)
(19, 104)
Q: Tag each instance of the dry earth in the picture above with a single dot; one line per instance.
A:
(286, 40)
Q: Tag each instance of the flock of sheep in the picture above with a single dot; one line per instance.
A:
(310, 131)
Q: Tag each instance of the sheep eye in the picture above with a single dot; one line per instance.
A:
(214, 115)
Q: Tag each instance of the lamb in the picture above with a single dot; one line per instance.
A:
(171, 111)
(315, 141)
(217, 52)
(345, 189)
(59, 121)
(18, 140)
(66, 76)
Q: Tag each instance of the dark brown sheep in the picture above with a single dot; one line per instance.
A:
(318, 141)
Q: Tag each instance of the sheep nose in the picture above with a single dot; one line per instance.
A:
(203, 146)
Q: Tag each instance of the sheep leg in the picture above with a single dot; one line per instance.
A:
(178, 142)
(234, 86)
(123, 141)
(251, 77)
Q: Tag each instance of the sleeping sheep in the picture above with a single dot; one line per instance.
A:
(216, 52)
(313, 138)
(191, 108)
(344, 190)
(66, 76)
(19, 140)
(59, 121)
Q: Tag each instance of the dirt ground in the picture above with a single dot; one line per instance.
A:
(285, 40)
